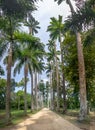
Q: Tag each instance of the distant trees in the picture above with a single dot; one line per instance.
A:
(72, 63)
(2, 93)
(44, 89)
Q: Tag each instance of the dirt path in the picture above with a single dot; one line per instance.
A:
(44, 120)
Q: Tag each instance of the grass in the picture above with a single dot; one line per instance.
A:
(72, 116)
(17, 117)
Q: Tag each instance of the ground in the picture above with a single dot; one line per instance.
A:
(45, 120)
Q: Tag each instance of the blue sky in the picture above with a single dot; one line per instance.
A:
(46, 10)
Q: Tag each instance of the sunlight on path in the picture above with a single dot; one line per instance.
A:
(45, 120)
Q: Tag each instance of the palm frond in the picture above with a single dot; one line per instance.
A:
(18, 67)
(59, 1)
(3, 47)
(1, 70)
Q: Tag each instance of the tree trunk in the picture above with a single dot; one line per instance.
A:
(57, 77)
(36, 91)
(51, 97)
(63, 78)
(32, 104)
(8, 88)
(18, 102)
(25, 88)
(52, 87)
(82, 80)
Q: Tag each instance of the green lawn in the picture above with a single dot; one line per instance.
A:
(17, 116)
(72, 116)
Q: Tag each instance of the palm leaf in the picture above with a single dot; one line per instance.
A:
(3, 47)
(18, 67)
(59, 1)
(1, 70)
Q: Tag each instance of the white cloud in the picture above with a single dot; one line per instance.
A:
(50, 8)
(46, 10)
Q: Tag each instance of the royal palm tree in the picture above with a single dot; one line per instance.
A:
(50, 70)
(49, 74)
(39, 67)
(12, 12)
(9, 46)
(81, 65)
(32, 24)
(56, 29)
(28, 56)
(52, 56)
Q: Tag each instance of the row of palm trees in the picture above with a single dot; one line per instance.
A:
(19, 49)
(56, 29)
(57, 35)
(25, 51)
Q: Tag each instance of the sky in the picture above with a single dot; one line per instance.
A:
(46, 10)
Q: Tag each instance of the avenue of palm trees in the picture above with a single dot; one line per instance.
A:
(70, 68)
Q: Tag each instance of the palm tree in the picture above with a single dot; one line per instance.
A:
(8, 45)
(32, 24)
(35, 67)
(49, 74)
(50, 69)
(28, 56)
(81, 65)
(52, 57)
(12, 13)
(56, 29)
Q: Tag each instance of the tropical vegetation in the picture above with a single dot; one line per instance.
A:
(70, 68)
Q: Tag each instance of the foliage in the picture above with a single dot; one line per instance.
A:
(1, 70)
(32, 24)
(18, 100)
(56, 28)
(71, 69)
(83, 18)
(17, 8)
(2, 93)
(42, 88)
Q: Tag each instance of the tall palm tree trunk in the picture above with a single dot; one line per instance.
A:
(57, 77)
(63, 78)
(52, 87)
(25, 88)
(36, 91)
(82, 80)
(8, 88)
(50, 81)
(32, 104)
